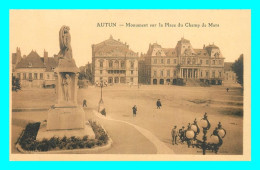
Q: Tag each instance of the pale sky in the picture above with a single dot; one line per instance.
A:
(39, 30)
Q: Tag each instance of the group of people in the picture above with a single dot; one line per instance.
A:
(178, 133)
(158, 104)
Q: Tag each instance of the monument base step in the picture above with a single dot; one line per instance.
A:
(43, 133)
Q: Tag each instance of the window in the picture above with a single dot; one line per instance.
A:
(213, 74)
(132, 72)
(207, 61)
(41, 76)
(201, 75)
(207, 74)
(162, 61)
(101, 71)
(220, 62)
(122, 64)
(162, 73)
(132, 79)
(168, 61)
(35, 76)
(155, 61)
(18, 75)
(213, 62)
(220, 74)
(168, 73)
(155, 73)
(200, 61)
(101, 64)
(132, 64)
(175, 61)
(175, 73)
(188, 61)
(24, 76)
(48, 76)
(30, 76)
(193, 61)
(110, 64)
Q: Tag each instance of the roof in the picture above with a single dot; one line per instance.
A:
(201, 52)
(113, 48)
(184, 40)
(32, 60)
(228, 66)
(169, 51)
(51, 63)
(212, 46)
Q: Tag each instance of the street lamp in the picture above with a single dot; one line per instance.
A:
(216, 139)
(205, 124)
(101, 107)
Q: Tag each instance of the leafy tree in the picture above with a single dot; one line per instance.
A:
(238, 68)
(16, 85)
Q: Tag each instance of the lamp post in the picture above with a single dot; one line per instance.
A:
(101, 107)
(206, 126)
(216, 138)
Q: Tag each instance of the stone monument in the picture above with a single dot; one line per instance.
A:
(66, 117)
(66, 114)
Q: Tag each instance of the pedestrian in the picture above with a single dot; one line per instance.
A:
(84, 103)
(182, 134)
(174, 135)
(227, 89)
(158, 104)
(134, 110)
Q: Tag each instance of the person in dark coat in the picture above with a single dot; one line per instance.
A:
(134, 110)
(84, 103)
(158, 104)
(174, 135)
(182, 134)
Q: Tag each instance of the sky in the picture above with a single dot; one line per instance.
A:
(39, 30)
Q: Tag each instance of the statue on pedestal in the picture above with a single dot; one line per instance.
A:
(66, 114)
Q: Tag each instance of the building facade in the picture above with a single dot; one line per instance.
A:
(35, 71)
(113, 62)
(168, 65)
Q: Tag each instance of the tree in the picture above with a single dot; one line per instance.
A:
(238, 68)
(16, 83)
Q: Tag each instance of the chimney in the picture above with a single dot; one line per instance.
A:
(45, 55)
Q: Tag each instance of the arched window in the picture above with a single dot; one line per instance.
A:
(122, 64)
(110, 64)
(193, 61)
(188, 61)
(116, 64)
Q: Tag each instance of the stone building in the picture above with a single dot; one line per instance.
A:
(114, 62)
(33, 70)
(183, 63)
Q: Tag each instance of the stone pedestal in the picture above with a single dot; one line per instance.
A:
(66, 114)
(66, 118)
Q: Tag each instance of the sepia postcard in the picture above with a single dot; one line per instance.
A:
(156, 85)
